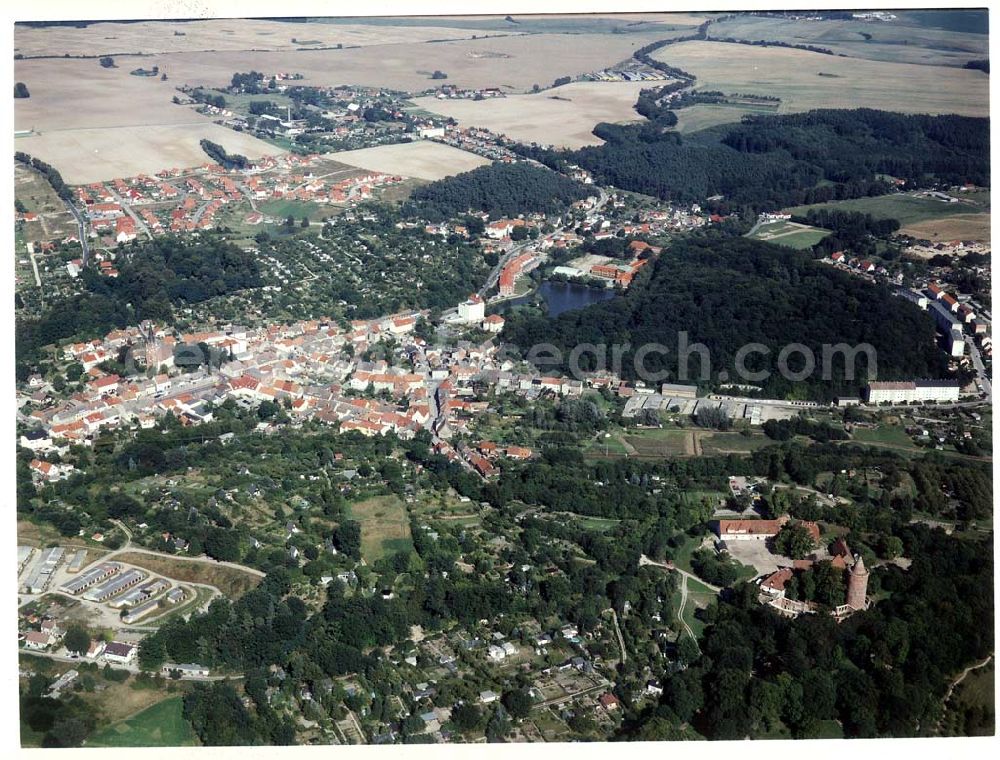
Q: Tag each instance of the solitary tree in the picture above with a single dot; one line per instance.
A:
(21, 90)
(793, 541)
(77, 639)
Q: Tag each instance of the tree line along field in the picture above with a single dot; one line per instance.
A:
(902, 41)
(790, 234)
(512, 63)
(37, 196)
(564, 116)
(95, 124)
(805, 80)
(421, 159)
(216, 35)
(920, 216)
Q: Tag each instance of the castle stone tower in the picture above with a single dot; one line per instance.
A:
(857, 584)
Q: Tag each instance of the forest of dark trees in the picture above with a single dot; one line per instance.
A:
(851, 230)
(881, 673)
(877, 673)
(729, 292)
(153, 277)
(770, 162)
(499, 190)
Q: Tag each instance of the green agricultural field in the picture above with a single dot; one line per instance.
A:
(162, 725)
(790, 234)
(385, 526)
(599, 524)
(285, 208)
(241, 103)
(704, 115)
(908, 208)
(606, 447)
(660, 442)
(726, 443)
(886, 435)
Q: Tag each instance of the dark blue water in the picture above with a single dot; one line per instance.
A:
(563, 296)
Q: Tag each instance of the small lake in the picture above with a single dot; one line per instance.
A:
(560, 297)
(564, 296)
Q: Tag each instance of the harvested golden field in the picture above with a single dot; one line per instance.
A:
(899, 41)
(563, 116)
(956, 227)
(805, 80)
(99, 154)
(95, 124)
(215, 34)
(421, 160)
(514, 63)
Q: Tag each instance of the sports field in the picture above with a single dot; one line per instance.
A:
(422, 159)
(805, 80)
(161, 725)
(563, 116)
(922, 216)
(385, 526)
(790, 234)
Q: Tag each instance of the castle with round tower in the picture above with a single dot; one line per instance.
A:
(857, 585)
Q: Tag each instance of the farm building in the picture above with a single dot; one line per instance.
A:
(37, 640)
(47, 564)
(185, 669)
(77, 562)
(115, 586)
(140, 611)
(749, 530)
(93, 576)
(141, 594)
(120, 653)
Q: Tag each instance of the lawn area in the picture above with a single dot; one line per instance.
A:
(600, 524)
(790, 234)
(699, 596)
(161, 725)
(889, 435)
(660, 442)
(385, 526)
(606, 447)
(285, 208)
(735, 443)
(242, 102)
